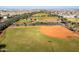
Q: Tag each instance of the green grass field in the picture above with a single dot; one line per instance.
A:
(30, 39)
(43, 16)
(73, 19)
(40, 14)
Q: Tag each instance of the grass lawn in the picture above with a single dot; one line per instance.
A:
(21, 21)
(37, 16)
(40, 14)
(30, 39)
(45, 18)
(49, 18)
(73, 19)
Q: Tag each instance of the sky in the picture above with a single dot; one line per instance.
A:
(39, 2)
(39, 7)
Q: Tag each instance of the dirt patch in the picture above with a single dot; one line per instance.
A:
(77, 33)
(57, 31)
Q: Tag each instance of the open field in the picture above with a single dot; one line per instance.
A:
(73, 19)
(48, 18)
(31, 39)
(43, 16)
(38, 17)
(40, 14)
(22, 21)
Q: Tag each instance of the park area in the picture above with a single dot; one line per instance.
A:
(21, 37)
(32, 39)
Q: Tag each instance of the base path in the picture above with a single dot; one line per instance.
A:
(57, 31)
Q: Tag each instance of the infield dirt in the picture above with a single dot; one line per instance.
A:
(57, 31)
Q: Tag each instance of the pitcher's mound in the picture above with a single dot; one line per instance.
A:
(57, 31)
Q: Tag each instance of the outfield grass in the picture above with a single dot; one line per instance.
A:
(30, 39)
